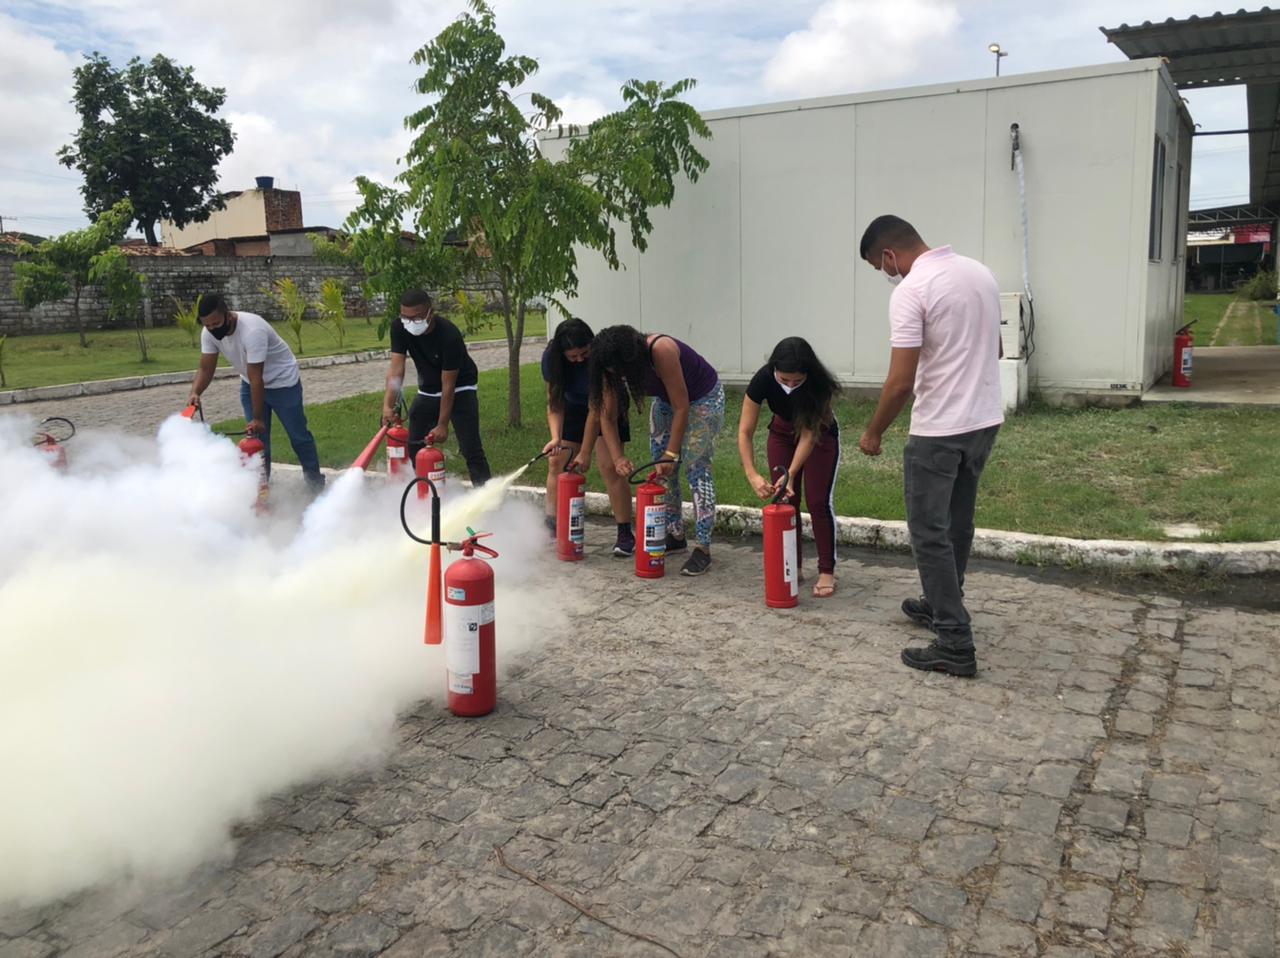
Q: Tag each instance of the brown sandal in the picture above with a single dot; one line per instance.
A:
(824, 591)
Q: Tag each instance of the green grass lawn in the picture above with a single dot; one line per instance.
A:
(44, 360)
(1206, 309)
(1092, 473)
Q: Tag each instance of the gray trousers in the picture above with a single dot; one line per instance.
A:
(940, 479)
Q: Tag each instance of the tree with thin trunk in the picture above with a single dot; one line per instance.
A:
(475, 170)
(60, 266)
(149, 133)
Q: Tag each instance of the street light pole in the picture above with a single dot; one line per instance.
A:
(995, 48)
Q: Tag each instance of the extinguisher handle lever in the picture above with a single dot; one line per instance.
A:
(471, 544)
(781, 494)
(652, 476)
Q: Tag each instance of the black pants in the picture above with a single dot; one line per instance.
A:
(940, 478)
(424, 414)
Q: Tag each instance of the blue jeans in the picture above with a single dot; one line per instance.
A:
(286, 403)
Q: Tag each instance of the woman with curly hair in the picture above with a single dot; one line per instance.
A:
(564, 369)
(804, 439)
(684, 420)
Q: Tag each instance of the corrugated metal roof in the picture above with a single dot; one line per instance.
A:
(1225, 49)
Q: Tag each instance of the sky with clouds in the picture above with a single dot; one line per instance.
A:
(317, 89)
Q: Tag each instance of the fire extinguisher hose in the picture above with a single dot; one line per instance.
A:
(781, 495)
(435, 512)
(637, 477)
(365, 457)
(45, 436)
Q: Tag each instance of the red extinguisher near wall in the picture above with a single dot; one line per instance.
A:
(429, 464)
(571, 515)
(50, 440)
(1182, 348)
(651, 522)
(469, 630)
(781, 566)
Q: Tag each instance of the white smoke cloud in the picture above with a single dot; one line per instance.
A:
(852, 45)
(170, 660)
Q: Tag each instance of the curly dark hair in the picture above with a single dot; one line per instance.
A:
(811, 403)
(620, 364)
(573, 333)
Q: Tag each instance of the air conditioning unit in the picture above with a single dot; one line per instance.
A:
(1013, 324)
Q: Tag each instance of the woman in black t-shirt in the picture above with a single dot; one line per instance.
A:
(804, 439)
(564, 369)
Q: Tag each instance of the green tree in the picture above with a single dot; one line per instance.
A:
(286, 294)
(123, 289)
(475, 169)
(187, 318)
(148, 133)
(390, 260)
(59, 267)
(332, 307)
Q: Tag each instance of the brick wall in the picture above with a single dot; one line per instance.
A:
(283, 209)
(242, 278)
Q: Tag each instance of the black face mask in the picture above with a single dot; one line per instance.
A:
(220, 331)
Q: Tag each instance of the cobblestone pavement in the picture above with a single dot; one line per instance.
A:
(140, 411)
(734, 781)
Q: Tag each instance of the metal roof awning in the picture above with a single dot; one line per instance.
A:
(1225, 49)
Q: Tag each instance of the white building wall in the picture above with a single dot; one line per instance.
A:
(765, 244)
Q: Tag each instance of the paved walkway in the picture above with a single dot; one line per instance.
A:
(140, 411)
(733, 781)
(1227, 376)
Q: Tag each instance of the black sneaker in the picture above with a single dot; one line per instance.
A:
(699, 561)
(918, 611)
(626, 544)
(676, 545)
(934, 658)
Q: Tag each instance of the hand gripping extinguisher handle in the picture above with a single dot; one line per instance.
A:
(654, 477)
(781, 495)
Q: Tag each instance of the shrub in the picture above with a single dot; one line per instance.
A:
(286, 295)
(333, 308)
(1262, 286)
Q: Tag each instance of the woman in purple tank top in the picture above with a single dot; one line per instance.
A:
(686, 416)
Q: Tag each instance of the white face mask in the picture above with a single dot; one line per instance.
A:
(895, 277)
(415, 327)
(788, 389)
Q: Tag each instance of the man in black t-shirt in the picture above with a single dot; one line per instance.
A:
(447, 380)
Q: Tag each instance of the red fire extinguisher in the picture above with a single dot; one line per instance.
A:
(469, 630)
(429, 464)
(1182, 347)
(781, 568)
(397, 451)
(570, 515)
(49, 440)
(251, 446)
(651, 522)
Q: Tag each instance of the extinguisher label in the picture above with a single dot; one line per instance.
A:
(395, 452)
(460, 684)
(1186, 361)
(462, 638)
(655, 529)
(455, 594)
(436, 476)
(789, 564)
(577, 532)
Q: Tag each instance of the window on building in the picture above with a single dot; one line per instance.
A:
(1179, 224)
(1156, 234)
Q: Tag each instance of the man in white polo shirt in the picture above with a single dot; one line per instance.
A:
(944, 316)
(270, 381)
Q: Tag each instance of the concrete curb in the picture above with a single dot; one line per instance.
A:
(100, 387)
(1250, 558)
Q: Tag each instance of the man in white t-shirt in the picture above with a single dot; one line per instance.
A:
(270, 381)
(944, 318)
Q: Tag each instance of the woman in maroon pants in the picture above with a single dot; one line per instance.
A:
(804, 439)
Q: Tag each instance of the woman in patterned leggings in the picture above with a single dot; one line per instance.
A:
(687, 413)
